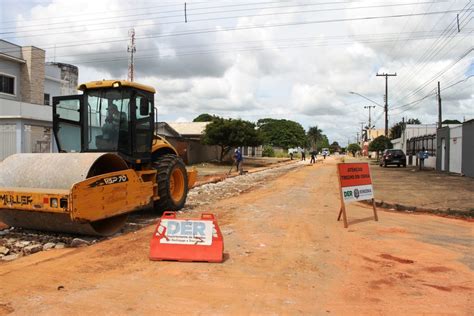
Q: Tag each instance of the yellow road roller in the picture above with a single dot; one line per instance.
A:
(110, 163)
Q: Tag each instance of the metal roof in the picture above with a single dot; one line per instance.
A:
(189, 128)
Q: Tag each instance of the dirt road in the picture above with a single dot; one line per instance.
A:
(285, 254)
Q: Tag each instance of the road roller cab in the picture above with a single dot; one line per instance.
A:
(110, 163)
(110, 116)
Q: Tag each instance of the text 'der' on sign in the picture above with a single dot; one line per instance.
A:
(355, 181)
(187, 239)
(355, 185)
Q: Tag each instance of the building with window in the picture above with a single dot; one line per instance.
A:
(27, 85)
(414, 138)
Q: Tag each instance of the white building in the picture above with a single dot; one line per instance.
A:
(413, 139)
(27, 85)
(456, 148)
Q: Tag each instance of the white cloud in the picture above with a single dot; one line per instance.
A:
(299, 72)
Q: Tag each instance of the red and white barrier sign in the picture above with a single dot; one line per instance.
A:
(187, 239)
(355, 181)
(355, 185)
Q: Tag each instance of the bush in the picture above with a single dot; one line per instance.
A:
(268, 151)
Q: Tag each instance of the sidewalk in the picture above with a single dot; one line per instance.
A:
(428, 190)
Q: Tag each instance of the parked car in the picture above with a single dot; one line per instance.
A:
(393, 157)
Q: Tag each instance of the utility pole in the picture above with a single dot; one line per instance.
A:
(440, 119)
(386, 98)
(370, 117)
(361, 131)
(358, 137)
(131, 49)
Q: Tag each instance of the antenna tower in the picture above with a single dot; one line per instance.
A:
(131, 49)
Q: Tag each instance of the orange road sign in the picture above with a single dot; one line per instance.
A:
(187, 239)
(355, 184)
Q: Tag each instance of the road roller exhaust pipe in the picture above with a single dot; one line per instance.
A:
(80, 193)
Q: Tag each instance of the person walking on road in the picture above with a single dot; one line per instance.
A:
(422, 155)
(238, 160)
(313, 158)
(303, 155)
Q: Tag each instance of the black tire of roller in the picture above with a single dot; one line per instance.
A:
(165, 165)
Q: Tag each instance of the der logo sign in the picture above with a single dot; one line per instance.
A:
(355, 185)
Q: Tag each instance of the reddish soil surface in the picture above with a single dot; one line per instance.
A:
(285, 253)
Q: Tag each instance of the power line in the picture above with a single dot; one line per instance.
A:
(437, 75)
(344, 40)
(429, 54)
(180, 14)
(100, 13)
(362, 38)
(249, 27)
(196, 20)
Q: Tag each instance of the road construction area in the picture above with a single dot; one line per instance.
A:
(284, 253)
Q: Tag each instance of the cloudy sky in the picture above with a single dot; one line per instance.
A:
(297, 60)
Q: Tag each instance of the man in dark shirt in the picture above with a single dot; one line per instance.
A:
(238, 160)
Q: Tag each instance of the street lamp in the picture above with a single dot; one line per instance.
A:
(384, 107)
(360, 95)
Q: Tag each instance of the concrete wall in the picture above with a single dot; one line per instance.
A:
(442, 163)
(66, 74)
(53, 88)
(12, 69)
(467, 167)
(416, 130)
(397, 144)
(8, 141)
(249, 151)
(32, 75)
(198, 152)
(14, 109)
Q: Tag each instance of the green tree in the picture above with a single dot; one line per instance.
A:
(450, 122)
(396, 130)
(204, 117)
(229, 133)
(268, 151)
(314, 135)
(380, 144)
(282, 133)
(353, 148)
(334, 147)
(323, 143)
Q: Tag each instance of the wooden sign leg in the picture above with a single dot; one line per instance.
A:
(339, 216)
(375, 211)
(344, 217)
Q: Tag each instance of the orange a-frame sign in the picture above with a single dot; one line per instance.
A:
(355, 185)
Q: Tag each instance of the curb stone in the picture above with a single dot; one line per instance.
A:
(413, 209)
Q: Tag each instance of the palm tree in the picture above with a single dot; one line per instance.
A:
(314, 135)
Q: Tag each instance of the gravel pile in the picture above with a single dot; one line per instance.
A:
(17, 242)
